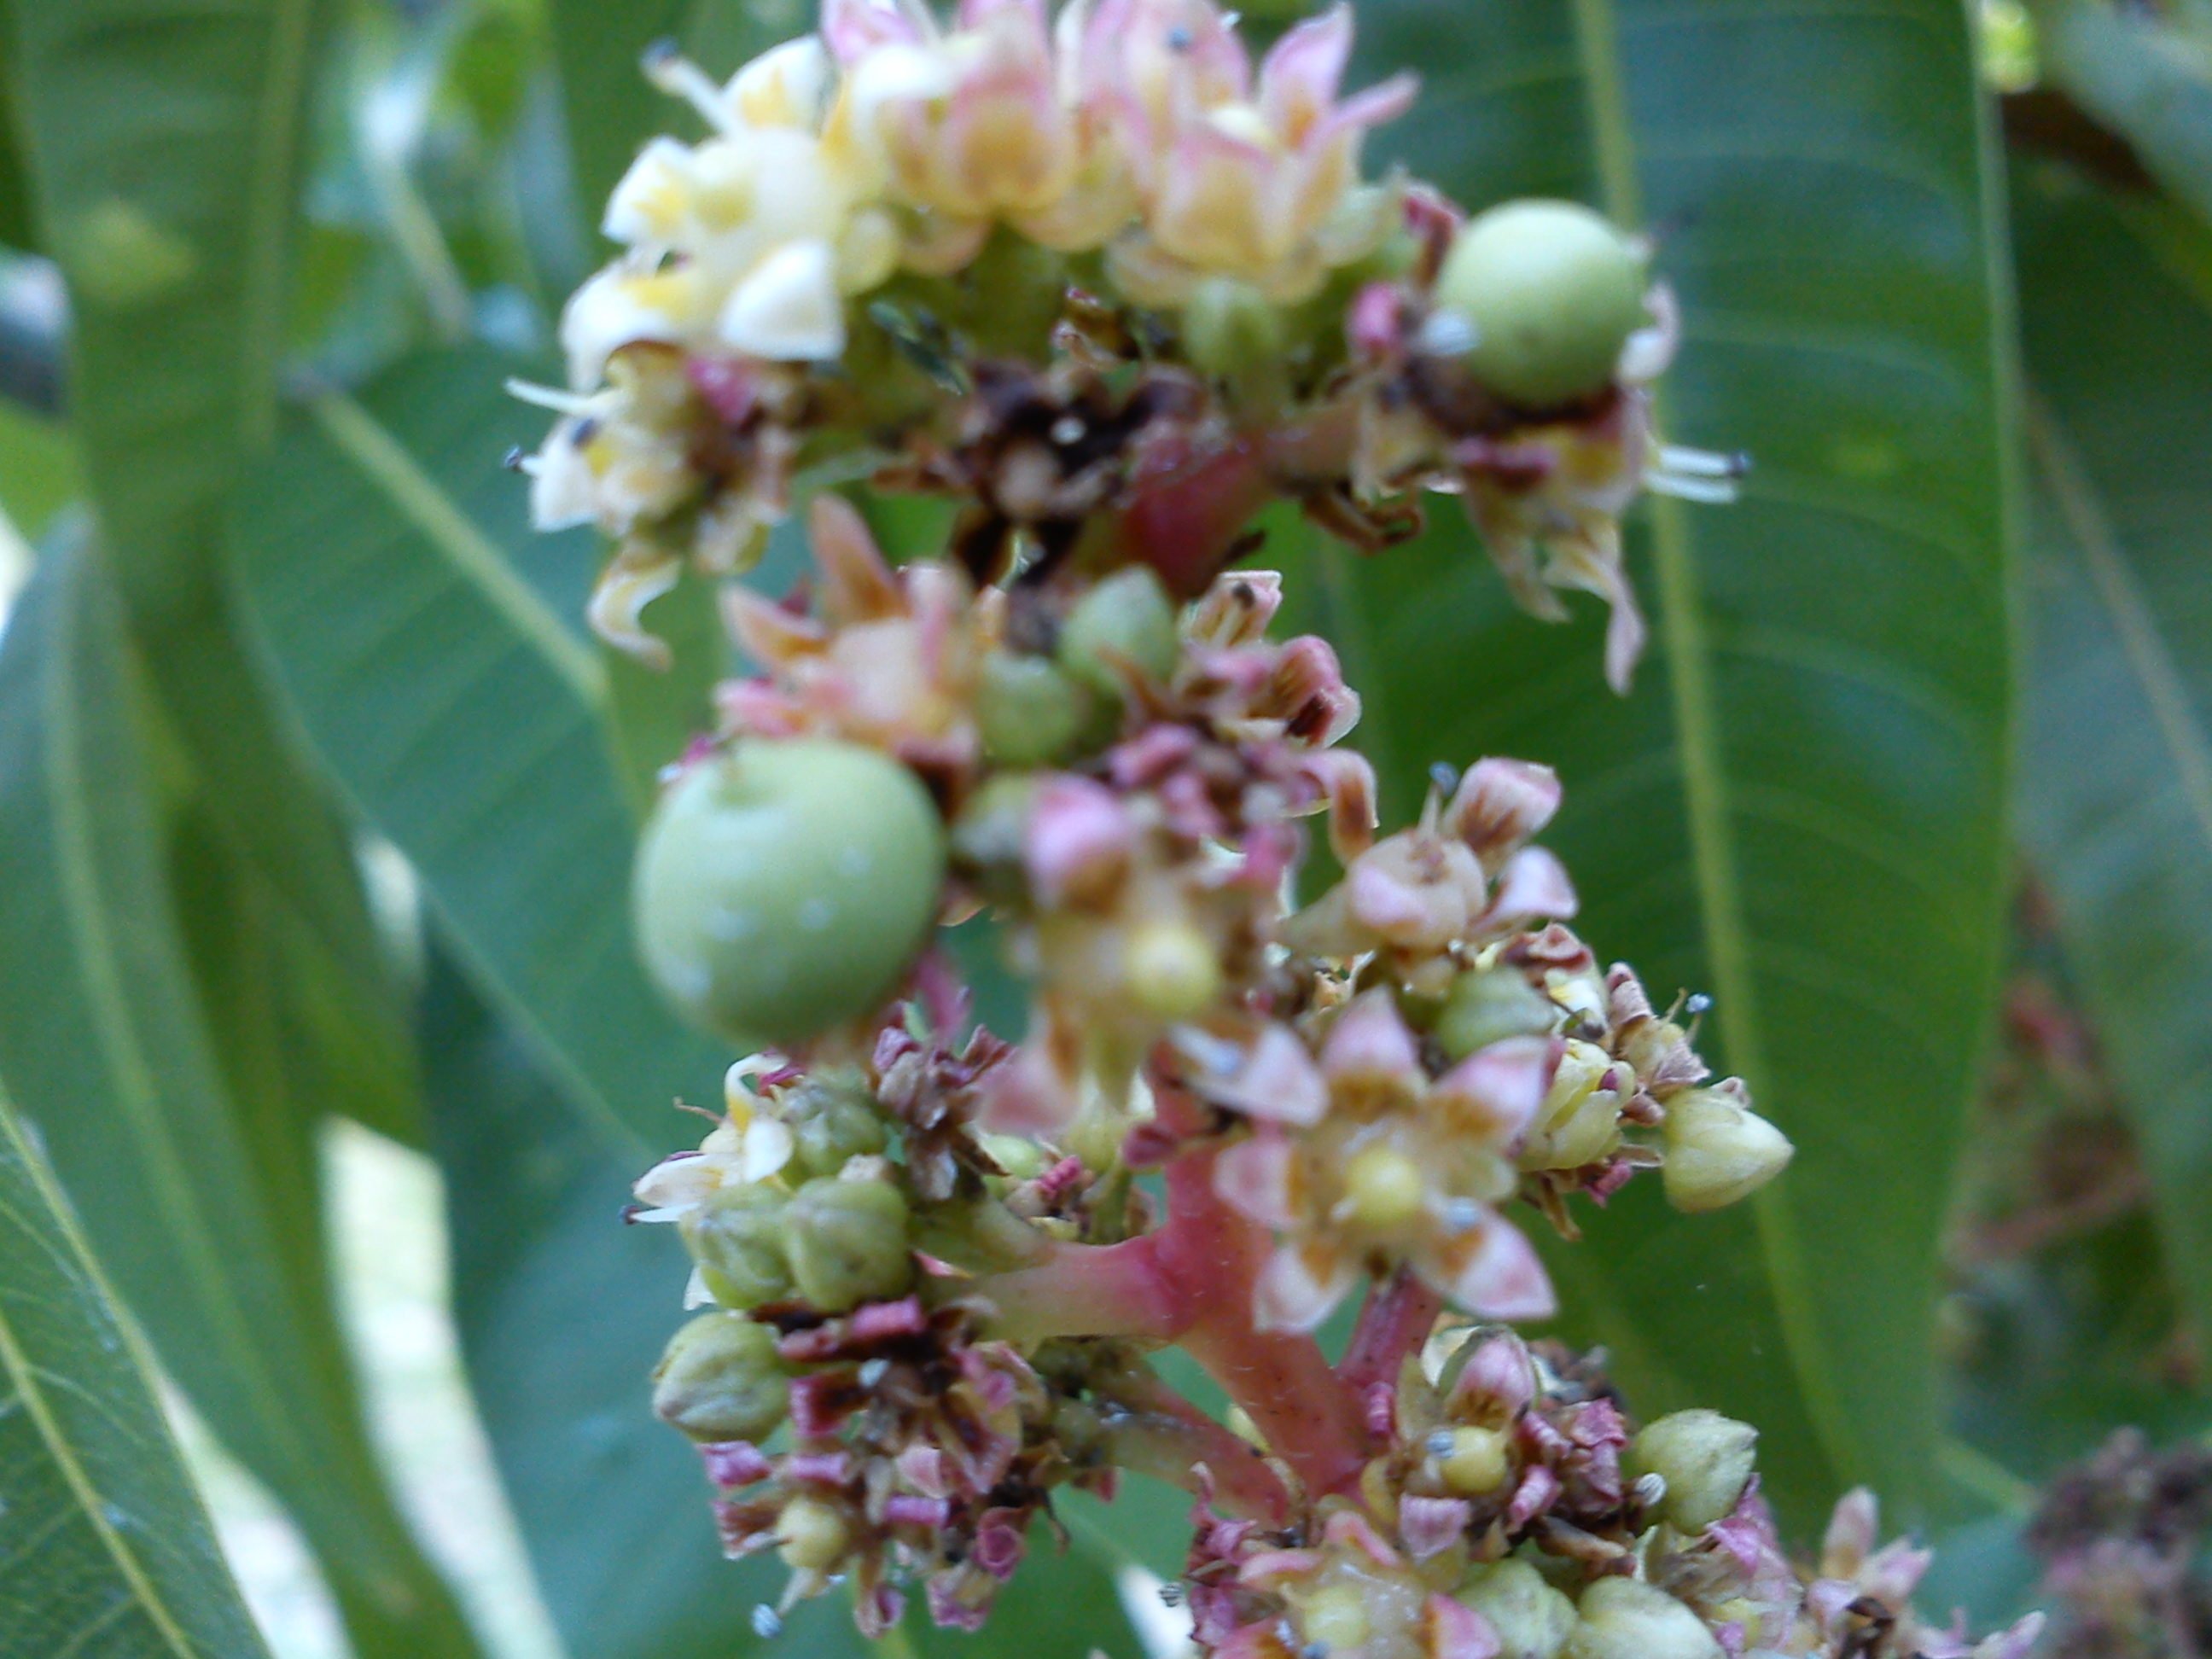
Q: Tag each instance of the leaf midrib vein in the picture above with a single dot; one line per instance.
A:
(31, 1393)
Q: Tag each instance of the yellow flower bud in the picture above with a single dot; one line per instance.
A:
(1475, 1460)
(1384, 1188)
(812, 1537)
(1172, 971)
(1718, 1151)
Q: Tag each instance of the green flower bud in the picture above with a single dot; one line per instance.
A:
(1488, 1005)
(721, 1379)
(1550, 293)
(784, 888)
(1232, 332)
(833, 1121)
(1030, 712)
(1626, 1619)
(1718, 1150)
(1126, 624)
(1706, 1459)
(848, 1242)
(737, 1238)
(1531, 1619)
(1021, 1160)
(989, 835)
(1579, 1122)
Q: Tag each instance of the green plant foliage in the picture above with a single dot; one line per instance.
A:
(2116, 778)
(202, 1201)
(2147, 76)
(461, 710)
(1799, 810)
(165, 140)
(103, 1544)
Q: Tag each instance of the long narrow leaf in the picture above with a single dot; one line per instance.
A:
(205, 1213)
(383, 553)
(104, 1545)
(2117, 778)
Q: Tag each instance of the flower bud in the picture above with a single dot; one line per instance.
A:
(1579, 1121)
(1022, 1158)
(1471, 1461)
(784, 888)
(1171, 968)
(1384, 1189)
(1532, 1621)
(1717, 1150)
(1706, 1459)
(1029, 710)
(834, 1121)
(737, 1238)
(1231, 331)
(1488, 1005)
(1126, 624)
(812, 1537)
(848, 1242)
(1550, 292)
(721, 1379)
(1626, 1619)
(992, 828)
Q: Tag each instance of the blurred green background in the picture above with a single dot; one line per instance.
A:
(328, 1062)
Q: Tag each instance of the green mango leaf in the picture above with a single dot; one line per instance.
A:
(164, 146)
(2117, 774)
(38, 468)
(1800, 809)
(2146, 75)
(164, 141)
(382, 552)
(203, 1202)
(105, 1545)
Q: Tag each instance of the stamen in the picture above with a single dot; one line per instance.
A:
(671, 72)
(1702, 463)
(559, 399)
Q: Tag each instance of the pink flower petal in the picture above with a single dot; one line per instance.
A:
(1458, 1632)
(1499, 805)
(1078, 840)
(1256, 1178)
(1496, 1274)
(1278, 1083)
(1533, 886)
(1300, 1287)
(1370, 1042)
(1504, 1084)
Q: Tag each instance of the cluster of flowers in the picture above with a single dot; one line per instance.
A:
(1112, 291)
(2122, 1535)
(1113, 220)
